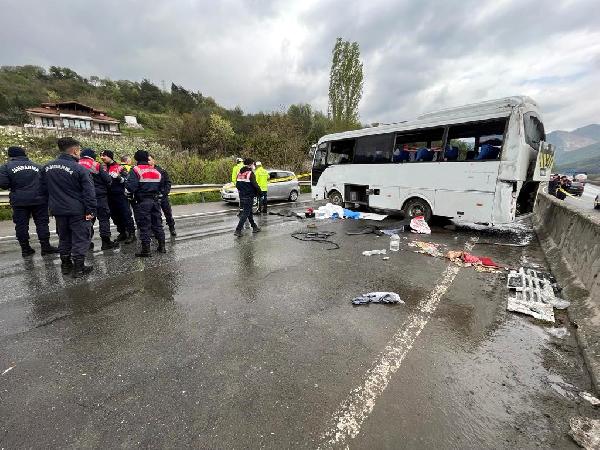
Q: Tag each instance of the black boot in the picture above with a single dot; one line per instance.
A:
(161, 247)
(255, 229)
(130, 237)
(145, 251)
(122, 237)
(79, 267)
(107, 244)
(172, 229)
(26, 249)
(66, 265)
(48, 249)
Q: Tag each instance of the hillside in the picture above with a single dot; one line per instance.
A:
(577, 150)
(180, 119)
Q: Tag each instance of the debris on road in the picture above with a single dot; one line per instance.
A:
(316, 236)
(559, 333)
(377, 297)
(590, 398)
(287, 213)
(8, 370)
(585, 431)
(428, 248)
(418, 225)
(374, 252)
(534, 294)
(331, 211)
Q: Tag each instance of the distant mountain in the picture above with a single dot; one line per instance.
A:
(577, 150)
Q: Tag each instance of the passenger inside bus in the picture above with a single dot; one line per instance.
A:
(401, 155)
(424, 154)
(451, 153)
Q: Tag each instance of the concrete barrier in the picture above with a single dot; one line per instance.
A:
(570, 238)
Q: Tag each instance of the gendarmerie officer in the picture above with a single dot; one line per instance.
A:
(118, 204)
(22, 177)
(145, 185)
(165, 204)
(247, 190)
(72, 200)
(102, 182)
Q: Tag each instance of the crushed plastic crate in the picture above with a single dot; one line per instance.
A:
(533, 293)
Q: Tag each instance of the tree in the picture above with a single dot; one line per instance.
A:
(220, 133)
(345, 85)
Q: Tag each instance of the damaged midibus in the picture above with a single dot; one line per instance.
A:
(477, 163)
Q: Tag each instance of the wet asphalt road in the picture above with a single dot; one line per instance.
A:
(253, 343)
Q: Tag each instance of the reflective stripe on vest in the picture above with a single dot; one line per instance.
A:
(90, 164)
(115, 168)
(147, 173)
(244, 176)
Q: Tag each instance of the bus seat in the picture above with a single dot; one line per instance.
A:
(488, 151)
(424, 154)
(401, 155)
(451, 153)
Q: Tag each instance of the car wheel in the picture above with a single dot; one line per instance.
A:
(336, 198)
(417, 207)
(293, 196)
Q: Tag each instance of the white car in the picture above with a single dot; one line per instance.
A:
(283, 185)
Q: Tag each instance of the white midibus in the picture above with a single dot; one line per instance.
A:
(478, 163)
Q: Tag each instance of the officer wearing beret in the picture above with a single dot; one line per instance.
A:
(145, 185)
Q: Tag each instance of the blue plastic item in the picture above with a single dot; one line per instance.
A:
(349, 214)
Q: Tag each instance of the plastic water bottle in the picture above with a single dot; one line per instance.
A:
(394, 243)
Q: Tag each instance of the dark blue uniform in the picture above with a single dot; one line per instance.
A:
(145, 183)
(71, 196)
(165, 204)
(22, 177)
(118, 204)
(247, 189)
(102, 182)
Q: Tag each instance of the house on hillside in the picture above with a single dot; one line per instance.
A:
(72, 115)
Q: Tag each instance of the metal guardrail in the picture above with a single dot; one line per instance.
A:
(176, 189)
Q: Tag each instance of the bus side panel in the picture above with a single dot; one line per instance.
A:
(505, 202)
(472, 206)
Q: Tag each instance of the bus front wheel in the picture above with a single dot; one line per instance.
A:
(336, 198)
(417, 207)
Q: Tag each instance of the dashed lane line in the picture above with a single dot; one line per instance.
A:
(359, 404)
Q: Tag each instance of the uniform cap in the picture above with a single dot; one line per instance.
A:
(88, 152)
(258, 163)
(108, 153)
(239, 160)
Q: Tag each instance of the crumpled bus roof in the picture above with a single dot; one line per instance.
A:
(489, 109)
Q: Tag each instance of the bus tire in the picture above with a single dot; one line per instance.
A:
(417, 207)
(336, 198)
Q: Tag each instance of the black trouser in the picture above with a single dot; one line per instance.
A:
(21, 216)
(148, 219)
(165, 205)
(246, 205)
(120, 212)
(262, 201)
(74, 235)
(103, 215)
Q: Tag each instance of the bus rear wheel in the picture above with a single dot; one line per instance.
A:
(417, 207)
(336, 198)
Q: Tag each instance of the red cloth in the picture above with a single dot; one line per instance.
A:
(488, 262)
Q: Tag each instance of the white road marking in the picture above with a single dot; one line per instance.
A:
(359, 404)
(8, 370)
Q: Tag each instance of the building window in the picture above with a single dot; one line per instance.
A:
(48, 122)
(104, 127)
(77, 123)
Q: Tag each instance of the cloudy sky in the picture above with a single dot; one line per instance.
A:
(418, 55)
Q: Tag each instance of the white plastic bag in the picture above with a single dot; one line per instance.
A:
(418, 225)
